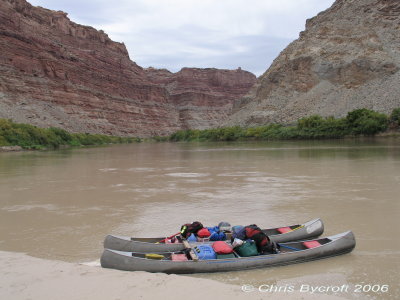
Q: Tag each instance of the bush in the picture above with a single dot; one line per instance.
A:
(365, 121)
(32, 137)
(229, 133)
(395, 116)
(318, 127)
(64, 136)
(360, 121)
(181, 135)
(3, 141)
(314, 121)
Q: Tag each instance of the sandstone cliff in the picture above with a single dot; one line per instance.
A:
(203, 97)
(54, 72)
(348, 57)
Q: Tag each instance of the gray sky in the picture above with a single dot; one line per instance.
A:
(172, 34)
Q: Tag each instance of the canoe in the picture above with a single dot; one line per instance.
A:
(308, 230)
(291, 253)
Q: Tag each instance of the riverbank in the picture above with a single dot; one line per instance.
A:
(26, 277)
(30, 137)
(357, 123)
(11, 148)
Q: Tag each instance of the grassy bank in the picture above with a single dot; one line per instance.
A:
(356, 123)
(32, 137)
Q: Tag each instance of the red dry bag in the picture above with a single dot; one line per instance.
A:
(204, 232)
(221, 247)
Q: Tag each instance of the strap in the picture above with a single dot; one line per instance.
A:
(298, 227)
(288, 247)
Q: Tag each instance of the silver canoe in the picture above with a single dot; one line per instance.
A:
(291, 253)
(308, 230)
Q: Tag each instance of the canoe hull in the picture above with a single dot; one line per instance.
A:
(308, 230)
(340, 244)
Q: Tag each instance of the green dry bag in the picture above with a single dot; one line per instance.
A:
(247, 249)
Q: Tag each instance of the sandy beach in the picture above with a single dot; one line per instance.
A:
(26, 277)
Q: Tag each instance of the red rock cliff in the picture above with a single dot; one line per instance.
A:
(203, 97)
(54, 72)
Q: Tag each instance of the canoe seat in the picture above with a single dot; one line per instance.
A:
(311, 244)
(284, 229)
(178, 257)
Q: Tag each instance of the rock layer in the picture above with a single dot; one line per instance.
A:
(348, 57)
(54, 72)
(203, 97)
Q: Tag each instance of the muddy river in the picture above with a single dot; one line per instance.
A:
(61, 204)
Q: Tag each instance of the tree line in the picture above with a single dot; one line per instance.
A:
(357, 122)
(32, 137)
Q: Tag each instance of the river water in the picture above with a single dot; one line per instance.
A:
(61, 204)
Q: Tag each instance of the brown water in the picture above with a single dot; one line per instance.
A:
(61, 204)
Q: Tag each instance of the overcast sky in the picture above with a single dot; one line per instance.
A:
(172, 34)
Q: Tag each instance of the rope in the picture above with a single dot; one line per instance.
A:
(288, 247)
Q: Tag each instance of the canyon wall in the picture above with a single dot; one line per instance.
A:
(348, 57)
(203, 97)
(54, 72)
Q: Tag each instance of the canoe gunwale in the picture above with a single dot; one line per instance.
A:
(332, 239)
(310, 229)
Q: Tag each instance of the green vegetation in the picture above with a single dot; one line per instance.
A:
(357, 122)
(365, 121)
(32, 137)
(395, 117)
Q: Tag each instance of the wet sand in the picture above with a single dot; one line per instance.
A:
(26, 277)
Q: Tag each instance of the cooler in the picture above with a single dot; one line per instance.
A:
(205, 251)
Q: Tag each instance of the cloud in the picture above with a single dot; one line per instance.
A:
(252, 52)
(196, 33)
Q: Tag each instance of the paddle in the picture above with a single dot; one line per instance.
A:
(169, 237)
(192, 254)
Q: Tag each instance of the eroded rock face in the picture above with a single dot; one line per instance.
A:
(203, 97)
(348, 57)
(54, 72)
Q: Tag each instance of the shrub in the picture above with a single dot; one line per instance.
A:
(395, 116)
(365, 121)
(3, 141)
(318, 127)
(229, 133)
(314, 121)
(32, 137)
(360, 121)
(62, 134)
(160, 138)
